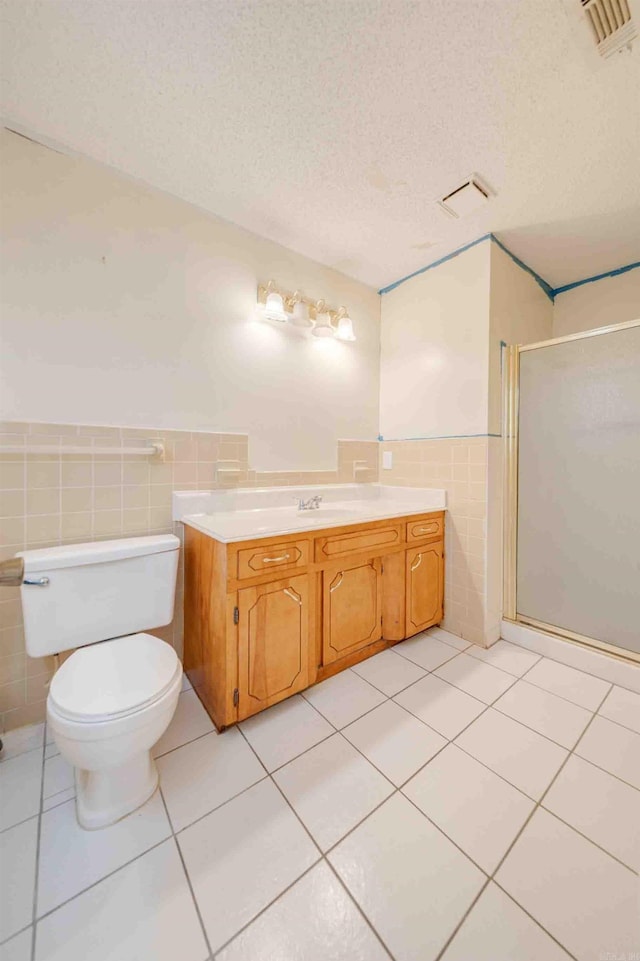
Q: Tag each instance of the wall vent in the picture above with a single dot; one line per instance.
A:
(611, 24)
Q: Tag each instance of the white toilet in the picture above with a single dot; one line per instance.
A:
(113, 699)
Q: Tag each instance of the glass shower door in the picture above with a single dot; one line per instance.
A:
(577, 554)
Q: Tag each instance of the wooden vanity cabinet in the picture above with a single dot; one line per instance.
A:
(352, 607)
(265, 619)
(274, 650)
(424, 587)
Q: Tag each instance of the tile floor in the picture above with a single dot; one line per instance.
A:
(436, 801)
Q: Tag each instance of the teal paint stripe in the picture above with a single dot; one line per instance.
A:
(436, 263)
(395, 440)
(547, 288)
(455, 253)
(590, 280)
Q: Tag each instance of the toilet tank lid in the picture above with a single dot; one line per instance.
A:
(97, 552)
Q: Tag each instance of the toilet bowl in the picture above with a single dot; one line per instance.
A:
(108, 705)
(114, 696)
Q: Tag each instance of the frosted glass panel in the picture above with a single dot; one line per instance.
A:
(579, 487)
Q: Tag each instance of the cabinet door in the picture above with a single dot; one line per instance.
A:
(273, 643)
(425, 582)
(352, 608)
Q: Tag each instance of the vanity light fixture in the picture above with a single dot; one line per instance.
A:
(274, 307)
(299, 311)
(300, 315)
(344, 330)
(323, 326)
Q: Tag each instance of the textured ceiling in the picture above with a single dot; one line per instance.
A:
(332, 126)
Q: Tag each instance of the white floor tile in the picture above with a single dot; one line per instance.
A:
(441, 706)
(622, 706)
(21, 740)
(505, 656)
(412, 883)
(51, 750)
(480, 680)
(612, 747)
(332, 787)
(189, 722)
(583, 689)
(20, 783)
(17, 877)
(526, 759)
(18, 948)
(71, 858)
(243, 856)
(452, 639)
(498, 930)
(472, 805)
(284, 731)
(426, 651)
(343, 697)
(56, 799)
(389, 672)
(315, 920)
(546, 713)
(58, 776)
(200, 776)
(600, 806)
(394, 741)
(584, 898)
(144, 911)
(186, 683)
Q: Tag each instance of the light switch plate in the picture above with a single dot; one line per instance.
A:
(387, 460)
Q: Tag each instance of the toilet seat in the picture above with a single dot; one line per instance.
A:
(114, 679)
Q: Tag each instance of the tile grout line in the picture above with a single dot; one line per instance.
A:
(186, 873)
(509, 849)
(36, 877)
(536, 807)
(322, 858)
(579, 670)
(528, 819)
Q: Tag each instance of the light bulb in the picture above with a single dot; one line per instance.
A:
(300, 316)
(323, 326)
(274, 307)
(345, 328)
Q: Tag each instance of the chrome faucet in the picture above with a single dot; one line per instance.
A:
(311, 505)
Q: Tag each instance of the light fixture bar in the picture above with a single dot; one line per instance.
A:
(300, 311)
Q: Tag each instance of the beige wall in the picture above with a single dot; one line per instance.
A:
(124, 306)
(441, 378)
(434, 350)
(520, 313)
(612, 300)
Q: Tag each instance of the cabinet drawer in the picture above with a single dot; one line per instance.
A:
(260, 560)
(339, 545)
(428, 527)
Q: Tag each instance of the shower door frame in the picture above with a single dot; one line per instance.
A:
(510, 448)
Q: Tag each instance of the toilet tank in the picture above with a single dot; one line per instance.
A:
(97, 591)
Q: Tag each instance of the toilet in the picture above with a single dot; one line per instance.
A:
(114, 697)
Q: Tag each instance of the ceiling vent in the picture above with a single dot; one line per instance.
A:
(465, 199)
(611, 24)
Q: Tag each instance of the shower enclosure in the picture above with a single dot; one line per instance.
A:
(572, 487)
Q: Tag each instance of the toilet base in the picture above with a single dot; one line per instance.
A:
(110, 794)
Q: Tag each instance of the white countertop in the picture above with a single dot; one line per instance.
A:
(246, 514)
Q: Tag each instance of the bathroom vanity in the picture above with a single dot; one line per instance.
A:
(278, 599)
